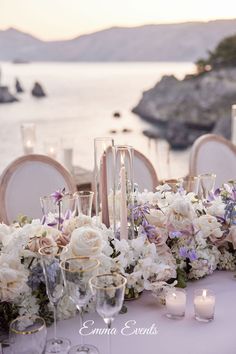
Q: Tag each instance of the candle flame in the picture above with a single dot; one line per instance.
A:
(204, 293)
(28, 143)
(51, 150)
(174, 295)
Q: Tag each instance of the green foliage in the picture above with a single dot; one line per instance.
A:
(224, 55)
(8, 312)
(181, 278)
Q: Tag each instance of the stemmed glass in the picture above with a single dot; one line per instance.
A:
(109, 291)
(77, 272)
(50, 257)
(27, 335)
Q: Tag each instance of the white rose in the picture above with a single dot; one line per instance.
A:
(74, 223)
(156, 218)
(86, 241)
(13, 278)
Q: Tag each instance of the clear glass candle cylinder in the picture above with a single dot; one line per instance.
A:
(233, 125)
(176, 303)
(124, 192)
(28, 135)
(204, 305)
(51, 148)
(206, 185)
(85, 202)
(190, 184)
(104, 179)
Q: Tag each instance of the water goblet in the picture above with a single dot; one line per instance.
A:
(109, 291)
(85, 201)
(27, 335)
(77, 272)
(50, 258)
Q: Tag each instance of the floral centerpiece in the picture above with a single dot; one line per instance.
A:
(178, 238)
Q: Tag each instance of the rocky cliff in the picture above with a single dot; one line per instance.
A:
(188, 108)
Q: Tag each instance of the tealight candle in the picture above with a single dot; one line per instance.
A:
(204, 305)
(176, 303)
(28, 147)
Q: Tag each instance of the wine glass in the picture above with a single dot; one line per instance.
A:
(27, 335)
(109, 291)
(50, 257)
(76, 273)
(207, 184)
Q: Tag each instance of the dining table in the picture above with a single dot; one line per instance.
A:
(145, 328)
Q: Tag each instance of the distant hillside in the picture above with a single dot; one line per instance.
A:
(167, 42)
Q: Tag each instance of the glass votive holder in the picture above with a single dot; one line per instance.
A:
(85, 202)
(176, 303)
(51, 149)
(204, 305)
(28, 135)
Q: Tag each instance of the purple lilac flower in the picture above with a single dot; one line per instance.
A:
(175, 234)
(139, 211)
(192, 255)
(183, 252)
(36, 277)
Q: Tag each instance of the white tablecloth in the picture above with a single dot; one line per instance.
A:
(186, 336)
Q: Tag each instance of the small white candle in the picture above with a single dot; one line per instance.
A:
(28, 147)
(123, 202)
(176, 303)
(52, 152)
(204, 305)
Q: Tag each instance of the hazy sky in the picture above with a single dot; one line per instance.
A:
(55, 19)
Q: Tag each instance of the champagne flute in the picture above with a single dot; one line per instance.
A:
(50, 257)
(109, 291)
(76, 273)
(27, 335)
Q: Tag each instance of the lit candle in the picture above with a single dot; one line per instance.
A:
(28, 147)
(105, 212)
(204, 305)
(176, 303)
(123, 202)
(52, 152)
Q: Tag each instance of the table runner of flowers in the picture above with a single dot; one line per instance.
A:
(179, 238)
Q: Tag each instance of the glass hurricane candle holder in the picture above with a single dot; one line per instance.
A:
(190, 184)
(124, 192)
(204, 305)
(207, 185)
(28, 136)
(233, 125)
(176, 303)
(85, 202)
(104, 178)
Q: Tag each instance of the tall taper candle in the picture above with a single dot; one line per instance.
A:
(105, 211)
(123, 203)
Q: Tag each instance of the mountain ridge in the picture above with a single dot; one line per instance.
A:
(186, 41)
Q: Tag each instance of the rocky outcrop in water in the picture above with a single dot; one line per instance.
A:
(191, 107)
(18, 86)
(38, 90)
(6, 96)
